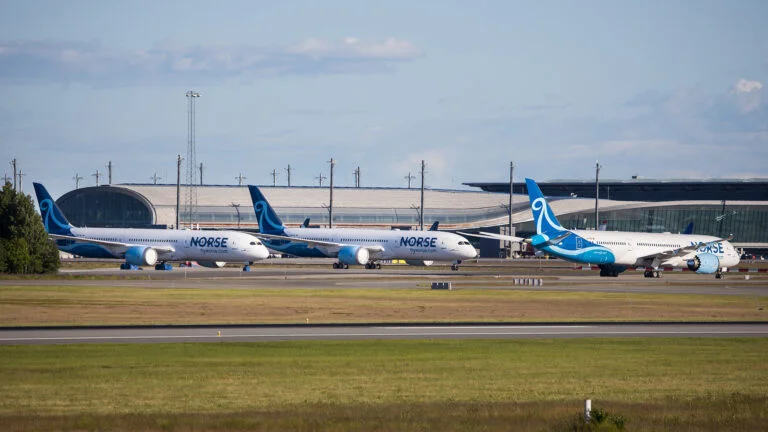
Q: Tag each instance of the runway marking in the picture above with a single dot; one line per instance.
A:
(316, 335)
(483, 327)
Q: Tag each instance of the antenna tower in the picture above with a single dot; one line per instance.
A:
(191, 198)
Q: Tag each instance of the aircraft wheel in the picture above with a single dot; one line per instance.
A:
(718, 275)
(378, 266)
(335, 265)
(346, 266)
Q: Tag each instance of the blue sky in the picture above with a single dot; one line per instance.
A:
(662, 89)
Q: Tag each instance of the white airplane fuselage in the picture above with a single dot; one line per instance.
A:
(187, 245)
(394, 244)
(629, 248)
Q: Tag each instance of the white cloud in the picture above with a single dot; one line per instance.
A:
(745, 86)
(748, 95)
(166, 62)
(389, 49)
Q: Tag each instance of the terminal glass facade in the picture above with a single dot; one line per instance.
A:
(747, 223)
(105, 207)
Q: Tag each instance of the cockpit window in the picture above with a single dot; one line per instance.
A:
(255, 243)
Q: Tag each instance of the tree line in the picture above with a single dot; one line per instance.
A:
(24, 244)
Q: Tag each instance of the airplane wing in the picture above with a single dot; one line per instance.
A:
(685, 250)
(494, 236)
(319, 243)
(160, 249)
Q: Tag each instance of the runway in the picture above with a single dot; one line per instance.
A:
(554, 278)
(222, 334)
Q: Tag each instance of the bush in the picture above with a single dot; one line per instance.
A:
(24, 244)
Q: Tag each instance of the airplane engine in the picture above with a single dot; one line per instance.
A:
(212, 264)
(354, 255)
(704, 263)
(141, 256)
(419, 263)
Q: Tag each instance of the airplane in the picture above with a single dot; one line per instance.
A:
(615, 251)
(359, 246)
(148, 247)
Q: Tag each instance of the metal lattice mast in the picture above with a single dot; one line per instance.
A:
(191, 198)
(109, 170)
(274, 177)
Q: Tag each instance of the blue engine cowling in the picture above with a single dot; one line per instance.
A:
(352, 255)
(212, 264)
(704, 263)
(141, 256)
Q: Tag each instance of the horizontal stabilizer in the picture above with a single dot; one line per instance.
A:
(494, 236)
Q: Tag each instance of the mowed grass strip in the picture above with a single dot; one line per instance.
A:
(714, 413)
(234, 377)
(94, 305)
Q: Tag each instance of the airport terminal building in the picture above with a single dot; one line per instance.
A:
(715, 207)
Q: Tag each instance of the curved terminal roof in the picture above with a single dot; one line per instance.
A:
(755, 189)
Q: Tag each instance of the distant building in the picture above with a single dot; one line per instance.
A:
(667, 206)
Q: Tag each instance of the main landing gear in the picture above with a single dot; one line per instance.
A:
(455, 265)
(340, 265)
(164, 266)
(719, 274)
(608, 273)
(650, 273)
(372, 265)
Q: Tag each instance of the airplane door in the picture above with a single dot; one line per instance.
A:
(579, 243)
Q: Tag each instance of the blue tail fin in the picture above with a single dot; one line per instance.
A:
(546, 222)
(269, 222)
(688, 229)
(53, 218)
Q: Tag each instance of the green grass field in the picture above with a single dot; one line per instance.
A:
(696, 384)
(37, 305)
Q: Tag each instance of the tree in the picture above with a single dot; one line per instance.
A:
(24, 244)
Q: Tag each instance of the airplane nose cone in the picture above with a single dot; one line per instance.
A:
(260, 253)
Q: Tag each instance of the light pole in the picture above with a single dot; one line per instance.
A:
(597, 194)
(421, 213)
(240, 179)
(77, 179)
(511, 192)
(237, 208)
(289, 175)
(330, 206)
(178, 187)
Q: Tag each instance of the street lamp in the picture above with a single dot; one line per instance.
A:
(237, 208)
